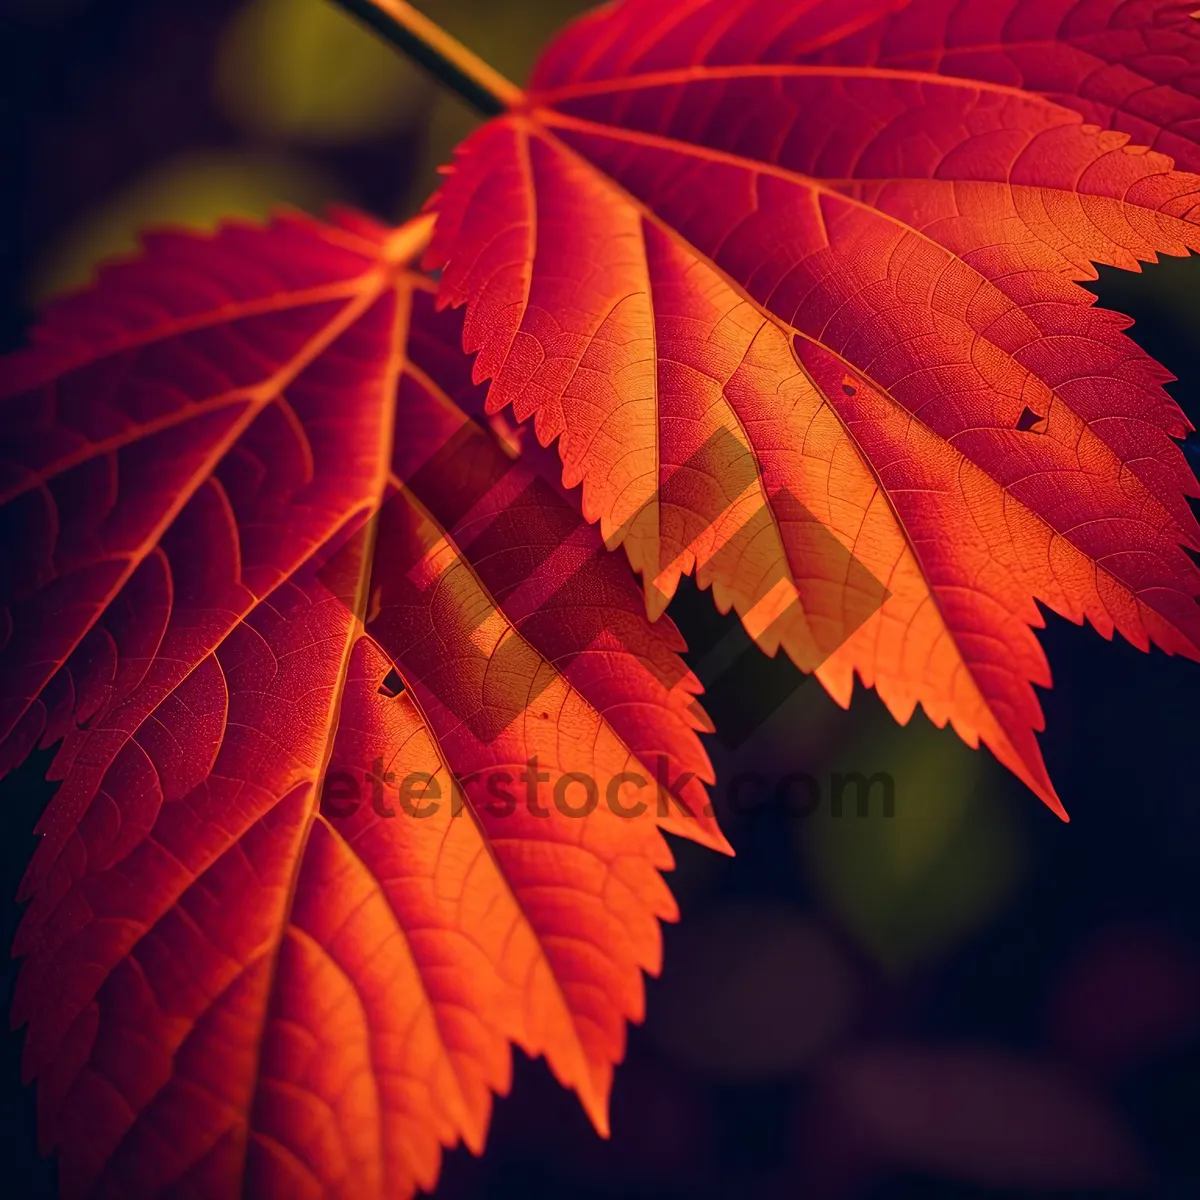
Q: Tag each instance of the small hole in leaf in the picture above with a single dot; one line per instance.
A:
(849, 389)
(1028, 419)
(392, 684)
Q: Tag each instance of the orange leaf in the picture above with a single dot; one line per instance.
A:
(766, 270)
(335, 678)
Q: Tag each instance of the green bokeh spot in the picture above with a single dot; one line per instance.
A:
(910, 887)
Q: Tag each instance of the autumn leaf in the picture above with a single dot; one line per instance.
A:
(340, 665)
(768, 269)
(1128, 65)
(261, 623)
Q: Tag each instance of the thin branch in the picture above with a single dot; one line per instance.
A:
(445, 57)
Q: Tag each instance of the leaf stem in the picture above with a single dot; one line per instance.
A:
(424, 41)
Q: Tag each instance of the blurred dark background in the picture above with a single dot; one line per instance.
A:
(969, 999)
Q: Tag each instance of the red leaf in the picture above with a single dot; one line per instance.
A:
(1129, 65)
(229, 987)
(767, 270)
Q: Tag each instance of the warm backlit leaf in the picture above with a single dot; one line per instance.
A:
(768, 269)
(1130, 65)
(239, 978)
